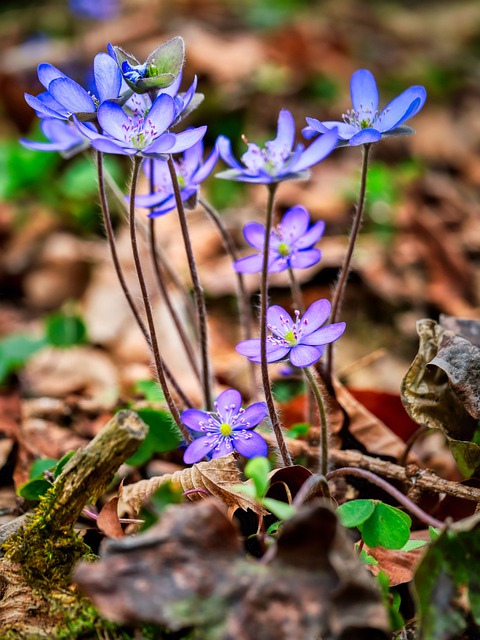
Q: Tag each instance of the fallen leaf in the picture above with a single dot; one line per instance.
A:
(108, 520)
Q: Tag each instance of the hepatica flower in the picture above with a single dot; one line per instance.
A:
(228, 429)
(279, 159)
(364, 123)
(301, 341)
(64, 97)
(191, 171)
(63, 137)
(145, 134)
(291, 243)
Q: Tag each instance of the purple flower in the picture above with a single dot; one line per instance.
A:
(228, 429)
(291, 243)
(160, 69)
(279, 160)
(95, 9)
(64, 97)
(191, 171)
(63, 136)
(363, 124)
(145, 134)
(301, 341)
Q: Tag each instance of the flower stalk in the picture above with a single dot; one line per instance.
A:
(323, 464)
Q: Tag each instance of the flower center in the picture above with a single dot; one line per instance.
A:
(140, 132)
(225, 429)
(284, 249)
(290, 337)
(270, 159)
(361, 119)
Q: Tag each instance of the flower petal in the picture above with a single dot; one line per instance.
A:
(206, 169)
(224, 147)
(404, 106)
(365, 136)
(187, 139)
(325, 335)
(252, 416)
(47, 72)
(71, 96)
(113, 120)
(285, 130)
(249, 264)
(364, 94)
(198, 449)
(224, 448)
(278, 320)
(312, 236)
(254, 234)
(304, 259)
(303, 355)
(345, 131)
(108, 77)
(294, 224)
(317, 151)
(44, 109)
(250, 444)
(316, 314)
(162, 112)
(228, 404)
(105, 145)
(249, 348)
(161, 145)
(195, 419)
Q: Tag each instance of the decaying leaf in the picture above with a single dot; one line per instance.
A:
(432, 402)
(190, 570)
(108, 520)
(218, 477)
(447, 587)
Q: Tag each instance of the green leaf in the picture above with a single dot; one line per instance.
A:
(65, 330)
(258, 469)
(298, 430)
(281, 510)
(163, 435)
(355, 512)
(387, 527)
(15, 351)
(39, 466)
(410, 545)
(150, 390)
(34, 489)
(57, 470)
(247, 489)
(366, 558)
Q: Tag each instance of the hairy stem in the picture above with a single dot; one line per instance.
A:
(267, 389)
(197, 289)
(243, 297)
(387, 487)
(323, 466)
(159, 365)
(342, 282)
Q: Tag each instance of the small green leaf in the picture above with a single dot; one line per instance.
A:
(273, 528)
(15, 351)
(65, 330)
(298, 430)
(434, 533)
(355, 512)
(34, 489)
(163, 435)
(39, 466)
(281, 510)
(387, 527)
(258, 469)
(366, 558)
(150, 389)
(410, 545)
(247, 489)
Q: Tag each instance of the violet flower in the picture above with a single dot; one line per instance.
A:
(291, 243)
(191, 170)
(64, 97)
(301, 341)
(363, 124)
(63, 137)
(95, 9)
(146, 135)
(280, 159)
(228, 429)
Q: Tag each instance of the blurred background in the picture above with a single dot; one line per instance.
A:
(420, 244)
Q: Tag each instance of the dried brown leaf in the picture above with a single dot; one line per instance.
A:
(108, 520)
(218, 477)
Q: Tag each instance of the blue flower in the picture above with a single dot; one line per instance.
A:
(63, 136)
(301, 341)
(160, 69)
(64, 97)
(191, 171)
(279, 160)
(226, 430)
(291, 243)
(363, 123)
(145, 134)
(95, 9)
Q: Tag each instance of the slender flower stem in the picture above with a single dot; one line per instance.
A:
(197, 289)
(323, 466)
(297, 296)
(267, 389)
(395, 493)
(163, 287)
(159, 365)
(243, 297)
(342, 282)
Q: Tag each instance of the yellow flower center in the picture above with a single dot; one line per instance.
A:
(290, 338)
(225, 429)
(284, 249)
